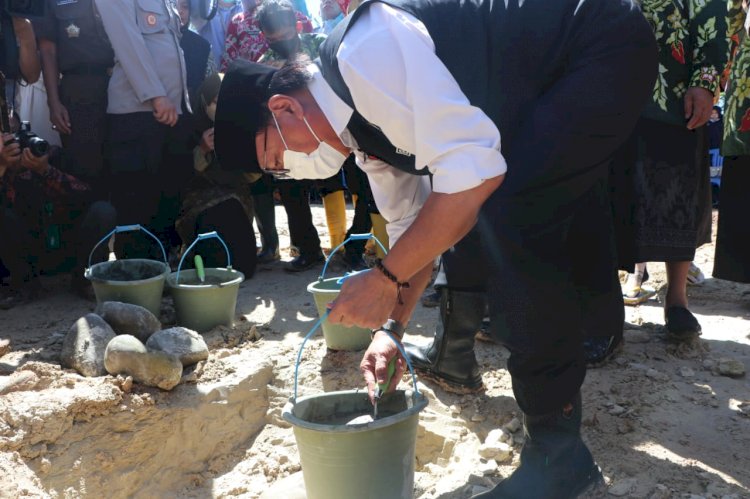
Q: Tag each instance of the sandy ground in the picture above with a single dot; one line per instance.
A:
(661, 420)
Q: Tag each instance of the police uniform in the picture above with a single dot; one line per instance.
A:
(149, 63)
(84, 59)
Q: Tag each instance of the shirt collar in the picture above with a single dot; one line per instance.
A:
(335, 110)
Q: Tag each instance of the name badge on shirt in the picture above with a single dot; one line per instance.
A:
(402, 152)
(73, 31)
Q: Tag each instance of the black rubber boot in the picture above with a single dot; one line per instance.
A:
(449, 360)
(555, 462)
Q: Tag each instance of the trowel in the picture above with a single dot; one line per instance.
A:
(379, 391)
(199, 269)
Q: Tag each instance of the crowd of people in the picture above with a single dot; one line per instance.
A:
(607, 113)
(124, 93)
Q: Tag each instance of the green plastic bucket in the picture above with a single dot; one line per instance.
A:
(373, 460)
(203, 306)
(325, 291)
(138, 281)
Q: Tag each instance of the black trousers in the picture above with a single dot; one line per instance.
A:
(295, 196)
(22, 245)
(150, 163)
(85, 98)
(232, 223)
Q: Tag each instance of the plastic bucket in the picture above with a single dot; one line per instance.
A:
(325, 291)
(203, 306)
(343, 461)
(137, 280)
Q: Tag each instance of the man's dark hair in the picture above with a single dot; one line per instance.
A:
(291, 77)
(274, 15)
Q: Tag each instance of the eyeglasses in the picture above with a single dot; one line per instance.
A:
(280, 174)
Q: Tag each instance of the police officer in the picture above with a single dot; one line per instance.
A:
(73, 44)
(147, 91)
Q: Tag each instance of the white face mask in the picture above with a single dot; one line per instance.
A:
(323, 162)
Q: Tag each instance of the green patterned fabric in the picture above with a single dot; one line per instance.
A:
(309, 44)
(693, 50)
(737, 96)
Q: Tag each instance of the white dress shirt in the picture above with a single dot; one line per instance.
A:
(388, 62)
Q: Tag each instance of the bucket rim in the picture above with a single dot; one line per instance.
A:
(88, 274)
(419, 402)
(236, 281)
(311, 288)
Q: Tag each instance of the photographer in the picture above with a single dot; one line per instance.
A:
(27, 182)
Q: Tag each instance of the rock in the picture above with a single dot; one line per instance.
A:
(488, 468)
(718, 489)
(623, 487)
(18, 382)
(478, 418)
(617, 410)
(686, 372)
(513, 425)
(656, 375)
(732, 368)
(4, 347)
(709, 364)
(494, 448)
(126, 318)
(126, 355)
(660, 492)
(184, 343)
(636, 336)
(84, 346)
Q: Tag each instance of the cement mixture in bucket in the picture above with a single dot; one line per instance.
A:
(127, 270)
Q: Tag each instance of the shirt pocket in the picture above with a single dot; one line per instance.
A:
(151, 16)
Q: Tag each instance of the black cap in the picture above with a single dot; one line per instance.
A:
(240, 114)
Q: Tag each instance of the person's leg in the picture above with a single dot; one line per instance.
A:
(302, 232)
(97, 221)
(230, 220)
(265, 217)
(356, 182)
(15, 251)
(732, 260)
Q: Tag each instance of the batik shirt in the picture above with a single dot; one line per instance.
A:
(309, 45)
(737, 108)
(693, 50)
(246, 41)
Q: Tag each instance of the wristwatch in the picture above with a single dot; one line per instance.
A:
(392, 326)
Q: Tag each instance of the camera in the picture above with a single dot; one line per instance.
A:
(31, 141)
(24, 8)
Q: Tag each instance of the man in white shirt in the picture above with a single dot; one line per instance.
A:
(414, 88)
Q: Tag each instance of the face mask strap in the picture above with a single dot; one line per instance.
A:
(279, 130)
(311, 130)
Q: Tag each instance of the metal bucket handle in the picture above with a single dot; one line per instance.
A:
(352, 237)
(206, 235)
(315, 328)
(128, 228)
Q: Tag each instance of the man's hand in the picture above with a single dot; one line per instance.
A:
(698, 105)
(59, 117)
(38, 165)
(11, 152)
(374, 365)
(207, 141)
(164, 111)
(366, 300)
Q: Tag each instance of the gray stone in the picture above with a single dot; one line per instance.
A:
(660, 492)
(686, 372)
(732, 368)
(623, 487)
(127, 355)
(513, 425)
(186, 344)
(4, 347)
(84, 346)
(499, 451)
(636, 336)
(18, 381)
(126, 318)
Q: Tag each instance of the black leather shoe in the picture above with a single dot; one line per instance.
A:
(305, 262)
(598, 350)
(268, 255)
(354, 262)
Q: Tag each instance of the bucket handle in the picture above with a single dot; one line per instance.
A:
(128, 228)
(352, 237)
(315, 328)
(206, 235)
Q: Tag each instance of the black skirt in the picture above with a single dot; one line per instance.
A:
(660, 188)
(732, 258)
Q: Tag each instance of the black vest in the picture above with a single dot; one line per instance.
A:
(503, 56)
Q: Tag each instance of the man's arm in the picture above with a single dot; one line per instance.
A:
(28, 59)
(58, 114)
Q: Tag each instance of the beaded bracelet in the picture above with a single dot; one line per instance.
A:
(399, 285)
